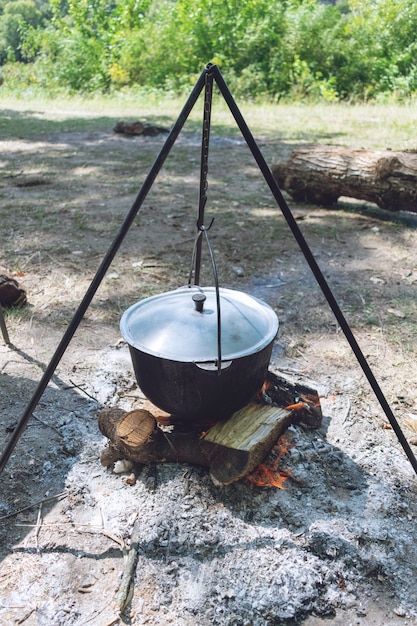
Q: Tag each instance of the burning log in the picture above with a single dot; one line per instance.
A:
(302, 400)
(322, 173)
(231, 448)
(236, 446)
(268, 473)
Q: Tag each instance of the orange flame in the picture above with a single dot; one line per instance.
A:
(298, 406)
(260, 395)
(267, 474)
(304, 402)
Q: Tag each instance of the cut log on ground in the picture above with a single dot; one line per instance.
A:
(231, 449)
(158, 446)
(321, 174)
(139, 128)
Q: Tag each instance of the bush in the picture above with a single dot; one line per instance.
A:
(355, 49)
(17, 18)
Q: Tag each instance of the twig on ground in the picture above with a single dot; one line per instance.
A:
(54, 260)
(97, 613)
(12, 175)
(38, 419)
(74, 385)
(80, 528)
(38, 528)
(347, 411)
(63, 494)
(126, 589)
(26, 615)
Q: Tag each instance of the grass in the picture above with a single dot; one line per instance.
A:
(376, 126)
(245, 206)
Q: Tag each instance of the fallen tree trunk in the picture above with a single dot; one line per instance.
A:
(322, 173)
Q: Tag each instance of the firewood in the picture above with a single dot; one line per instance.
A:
(239, 444)
(159, 447)
(285, 391)
(129, 570)
(231, 448)
(136, 428)
(322, 173)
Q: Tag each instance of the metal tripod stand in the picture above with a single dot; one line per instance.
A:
(210, 73)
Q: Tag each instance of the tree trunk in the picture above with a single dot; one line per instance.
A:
(321, 174)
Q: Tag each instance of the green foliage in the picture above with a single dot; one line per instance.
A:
(16, 19)
(354, 49)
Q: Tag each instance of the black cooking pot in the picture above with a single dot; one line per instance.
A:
(181, 362)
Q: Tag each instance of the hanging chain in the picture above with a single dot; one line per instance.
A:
(208, 96)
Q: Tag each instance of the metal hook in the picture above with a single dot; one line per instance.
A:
(205, 228)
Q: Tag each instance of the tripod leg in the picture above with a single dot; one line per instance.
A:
(105, 264)
(305, 249)
(4, 328)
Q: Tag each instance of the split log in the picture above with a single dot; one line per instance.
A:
(237, 445)
(321, 174)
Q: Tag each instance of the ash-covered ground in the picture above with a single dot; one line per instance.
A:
(336, 544)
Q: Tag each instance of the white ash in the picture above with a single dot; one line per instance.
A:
(339, 537)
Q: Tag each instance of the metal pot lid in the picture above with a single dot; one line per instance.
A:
(171, 326)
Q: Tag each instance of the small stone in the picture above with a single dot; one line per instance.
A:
(239, 271)
(400, 611)
(122, 467)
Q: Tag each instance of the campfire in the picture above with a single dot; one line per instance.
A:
(248, 444)
(269, 474)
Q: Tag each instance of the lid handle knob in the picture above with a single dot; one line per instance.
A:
(199, 299)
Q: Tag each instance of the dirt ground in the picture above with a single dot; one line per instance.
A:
(338, 545)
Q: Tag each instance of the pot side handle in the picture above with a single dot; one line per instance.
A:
(212, 366)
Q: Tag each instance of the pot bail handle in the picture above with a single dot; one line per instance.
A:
(203, 230)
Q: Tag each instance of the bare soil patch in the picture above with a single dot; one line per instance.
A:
(338, 544)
